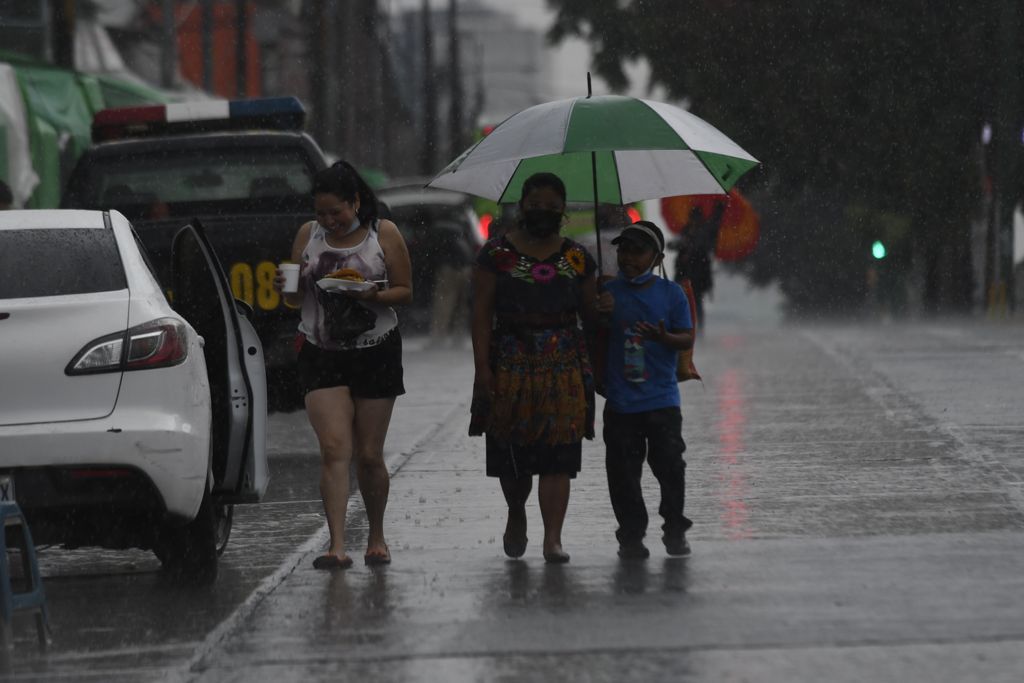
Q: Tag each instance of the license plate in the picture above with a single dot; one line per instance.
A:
(6, 488)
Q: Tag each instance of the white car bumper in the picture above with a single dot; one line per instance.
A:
(168, 449)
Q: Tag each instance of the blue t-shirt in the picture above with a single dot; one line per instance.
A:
(641, 373)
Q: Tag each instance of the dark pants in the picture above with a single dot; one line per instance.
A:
(629, 438)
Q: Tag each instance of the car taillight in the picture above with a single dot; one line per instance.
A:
(156, 344)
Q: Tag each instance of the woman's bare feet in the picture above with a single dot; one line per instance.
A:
(553, 554)
(515, 532)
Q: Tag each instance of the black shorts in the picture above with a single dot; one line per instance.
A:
(368, 372)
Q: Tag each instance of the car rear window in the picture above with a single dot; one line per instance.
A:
(182, 182)
(57, 262)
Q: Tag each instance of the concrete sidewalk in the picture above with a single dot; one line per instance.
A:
(855, 519)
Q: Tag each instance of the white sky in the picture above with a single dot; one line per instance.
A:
(571, 59)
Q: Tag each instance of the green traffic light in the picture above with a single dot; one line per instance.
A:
(878, 250)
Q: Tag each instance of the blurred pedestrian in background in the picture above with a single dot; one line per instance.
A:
(649, 324)
(350, 374)
(6, 197)
(695, 251)
(453, 259)
(533, 389)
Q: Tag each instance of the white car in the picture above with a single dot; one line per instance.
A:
(125, 420)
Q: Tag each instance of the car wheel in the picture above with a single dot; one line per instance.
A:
(223, 517)
(190, 552)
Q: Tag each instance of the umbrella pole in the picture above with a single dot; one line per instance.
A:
(593, 169)
(597, 227)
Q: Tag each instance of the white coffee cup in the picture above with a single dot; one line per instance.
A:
(291, 277)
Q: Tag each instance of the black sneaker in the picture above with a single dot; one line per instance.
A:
(634, 550)
(676, 545)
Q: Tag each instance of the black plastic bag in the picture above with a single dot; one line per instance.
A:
(344, 317)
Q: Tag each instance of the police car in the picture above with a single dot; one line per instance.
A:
(244, 168)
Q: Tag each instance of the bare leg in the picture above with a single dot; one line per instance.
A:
(331, 413)
(373, 415)
(516, 492)
(553, 493)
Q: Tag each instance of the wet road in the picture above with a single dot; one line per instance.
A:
(115, 616)
(118, 617)
(858, 498)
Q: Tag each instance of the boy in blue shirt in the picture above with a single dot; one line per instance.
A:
(649, 323)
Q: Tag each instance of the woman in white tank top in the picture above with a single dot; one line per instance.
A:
(350, 383)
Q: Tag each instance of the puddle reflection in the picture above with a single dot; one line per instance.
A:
(630, 578)
(517, 575)
(675, 574)
(730, 429)
(358, 598)
(521, 585)
(635, 577)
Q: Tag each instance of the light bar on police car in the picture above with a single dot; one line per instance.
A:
(279, 113)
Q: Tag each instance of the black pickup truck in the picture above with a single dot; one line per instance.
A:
(250, 188)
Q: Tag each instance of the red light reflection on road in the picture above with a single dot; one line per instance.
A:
(729, 428)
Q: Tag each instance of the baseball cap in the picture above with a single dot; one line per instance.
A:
(644, 232)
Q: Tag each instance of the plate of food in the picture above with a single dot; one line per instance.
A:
(345, 280)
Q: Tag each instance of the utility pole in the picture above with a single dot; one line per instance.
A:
(1007, 139)
(348, 95)
(456, 131)
(168, 44)
(207, 40)
(318, 25)
(62, 14)
(375, 88)
(429, 142)
(241, 63)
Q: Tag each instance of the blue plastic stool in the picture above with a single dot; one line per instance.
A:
(31, 599)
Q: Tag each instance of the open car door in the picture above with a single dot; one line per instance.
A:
(234, 363)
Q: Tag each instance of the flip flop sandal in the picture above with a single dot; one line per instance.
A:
(332, 562)
(377, 558)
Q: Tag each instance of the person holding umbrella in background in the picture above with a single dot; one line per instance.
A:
(533, 389)
(696, 248)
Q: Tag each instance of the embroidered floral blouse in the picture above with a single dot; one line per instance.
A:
(528, 285)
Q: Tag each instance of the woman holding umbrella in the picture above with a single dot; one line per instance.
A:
(533, 389)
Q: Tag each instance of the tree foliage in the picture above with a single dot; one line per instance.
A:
(847, 103)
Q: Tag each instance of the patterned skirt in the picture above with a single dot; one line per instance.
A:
(543, 404)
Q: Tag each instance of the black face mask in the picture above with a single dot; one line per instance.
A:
(541, 222)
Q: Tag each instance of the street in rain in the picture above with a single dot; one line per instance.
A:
(273, 275)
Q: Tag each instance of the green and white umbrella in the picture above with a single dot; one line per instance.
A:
(610, 148)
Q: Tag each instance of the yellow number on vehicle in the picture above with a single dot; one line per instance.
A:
(257, 289)
(241, 282)
(267, 297)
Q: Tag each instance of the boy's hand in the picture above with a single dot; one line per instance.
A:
(605, 303)
(654, 333)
